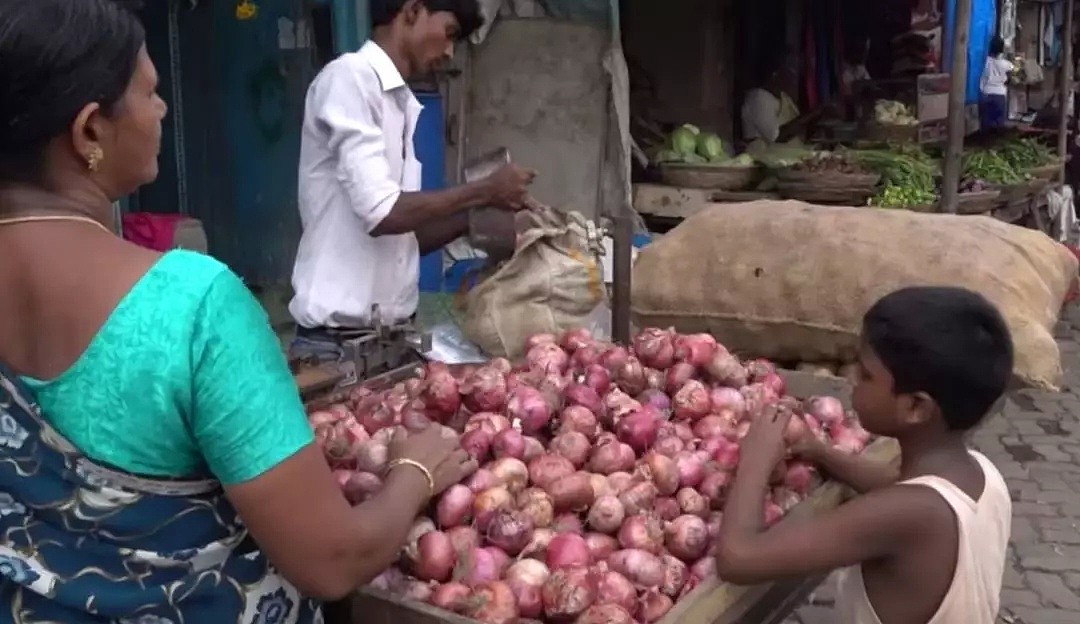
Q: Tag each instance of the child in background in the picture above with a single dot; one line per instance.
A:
(994, 104)
(927, 542)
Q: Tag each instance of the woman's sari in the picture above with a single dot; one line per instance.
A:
(86, 543)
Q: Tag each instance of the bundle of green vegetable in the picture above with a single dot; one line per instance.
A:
(907, 177)
(689, 145)
(1027, 153)
(990, 165)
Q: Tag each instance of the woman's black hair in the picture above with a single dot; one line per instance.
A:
(950, 343)
(997, 46)
(467, 13)
(56, 57)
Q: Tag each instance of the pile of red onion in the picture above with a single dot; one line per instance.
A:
(604, 470)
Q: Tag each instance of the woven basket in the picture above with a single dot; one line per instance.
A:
(977, 203)
(1045, 172)
(710, 176)
(826, 179)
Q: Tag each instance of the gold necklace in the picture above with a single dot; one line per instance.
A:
(55, 218)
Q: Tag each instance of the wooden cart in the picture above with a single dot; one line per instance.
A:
(711, 602)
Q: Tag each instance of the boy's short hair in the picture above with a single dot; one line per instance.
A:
(467, 12)
(997, 46)
(950, 343)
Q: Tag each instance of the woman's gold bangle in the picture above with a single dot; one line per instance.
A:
(415, 464)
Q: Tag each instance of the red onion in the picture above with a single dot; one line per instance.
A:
(485, 390)
(605, 614)
(654, 606)
(617, 404)
(846, 440)
(726, 370)
(573, 446)
(502, 560)
(600, 486)
(526, 579)
(585, 357)
(773, 513)
(493, 603)
(508, 443)
(799, 477)
(607, 515)
(435, 557)
(727, 457)
(322, 418)
(667, 508)
(601, 546)
(684, 432)
(577, 418)
(567, 550)
(614, 588)
(573, 493)
(692, 401)
(414, 590)
(538, 547)
(775, 382)
(547, 469)
(529, 406)
(598, 378)
(724, 398)
(675, 576)
(697, 349)
(454, 507)
(759, 369)
(643, 532)
(536, 503)
(654, 379)
(577, 394)
(655, 347)
(540, 339)
(662, 471)
(614, 358)
(638, 430)
(575, 339)
(670, 446)
(714, 487)
(512, 473)
(360, 486)
(477, 567)
(715, 522)
(691, 469)
(380, 418)
(677, 376)
(641, 568)
(421, 527)
(630, 377)
(533, 448)
(510, 531)
(477, 443)
(657, 399)
(620, 481)
(687, 537)
(704, 567)
(569, 592)
(610, 458)
(464, 539)
(639, 498)
(713, 427)
(451, 596)
(568, 523)
(548, 358)
(758, 396)
(482, 480)
(488, 503)
(692, 502)
(441, 393)
(372, 457)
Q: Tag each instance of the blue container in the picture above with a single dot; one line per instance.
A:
(430, 144)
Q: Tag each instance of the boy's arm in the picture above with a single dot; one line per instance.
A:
(868, 528)
(862, 474)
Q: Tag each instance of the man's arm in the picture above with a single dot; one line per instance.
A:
(862, 474)
(437, 234)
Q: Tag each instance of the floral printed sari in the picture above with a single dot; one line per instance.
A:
(84, 543)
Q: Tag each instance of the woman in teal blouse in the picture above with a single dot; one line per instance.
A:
(156, 465)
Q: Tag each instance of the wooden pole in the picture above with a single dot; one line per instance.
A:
(957, 117)
(1066, 86)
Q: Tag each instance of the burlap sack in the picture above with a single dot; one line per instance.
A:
(791, 281)
(551, 284)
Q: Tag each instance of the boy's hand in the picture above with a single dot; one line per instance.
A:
(765, 441)
(809, 448)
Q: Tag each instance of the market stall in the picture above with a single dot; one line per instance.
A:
(586, 454)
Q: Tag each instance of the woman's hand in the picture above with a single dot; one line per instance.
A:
(441, 454)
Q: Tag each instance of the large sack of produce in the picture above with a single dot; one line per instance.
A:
(551, 284)
(791, 281)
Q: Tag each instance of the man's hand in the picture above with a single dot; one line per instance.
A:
(508, 187)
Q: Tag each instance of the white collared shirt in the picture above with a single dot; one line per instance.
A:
(356, 158)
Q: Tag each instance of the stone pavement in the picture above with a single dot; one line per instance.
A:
(1035, 442)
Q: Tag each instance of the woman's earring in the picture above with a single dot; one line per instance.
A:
(93, 161)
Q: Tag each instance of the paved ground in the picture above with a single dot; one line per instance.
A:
(1035, 443)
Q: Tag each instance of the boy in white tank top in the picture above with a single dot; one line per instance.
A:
(927, 542)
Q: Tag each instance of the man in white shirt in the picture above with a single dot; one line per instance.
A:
(769, 114)
(365, 220)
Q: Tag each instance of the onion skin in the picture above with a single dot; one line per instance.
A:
(477, 443)
(606, 515)
(675, 576)
(638, 430)
(464, 539)
(605, 613)
(512, 473)
(537, 504)
(481, 480)
(654, 606)
(455, 507)
(573, 493)
(452, 597)
(662, 471)
(612, 457)
(579, 419)
(569, 593)
(494, 603)
(641, 568)
(435, 557)
(568, 523)
(687, 537)
(508, 443)
(510, 531)
(526, 579)
(691, 502)
(667, 509)
(639, 498)
(614, 588)
(490, 502)
(601, 546)
(572, 445)
(478, 567)
(645, 532)
(690, 469)
(547, 469)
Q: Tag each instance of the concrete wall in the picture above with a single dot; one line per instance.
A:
(538, 88)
